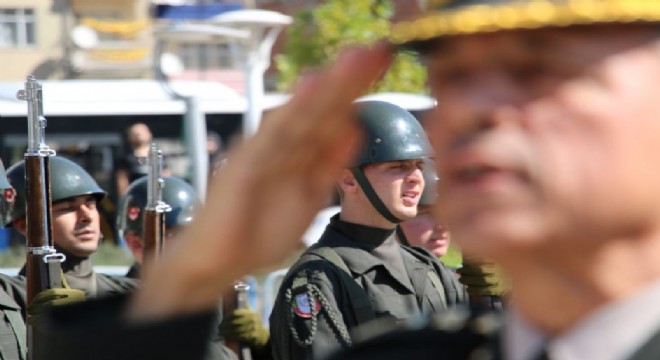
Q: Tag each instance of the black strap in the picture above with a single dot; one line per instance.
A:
(372, 196)
(402, 236)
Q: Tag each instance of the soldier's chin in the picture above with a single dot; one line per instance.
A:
(85, 249)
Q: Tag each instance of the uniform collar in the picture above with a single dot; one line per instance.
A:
(614, 331)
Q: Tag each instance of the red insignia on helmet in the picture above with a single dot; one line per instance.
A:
(302, 308)
(9, 195)
(133, 213)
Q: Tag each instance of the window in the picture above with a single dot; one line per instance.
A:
(205, 57)
(17, 28)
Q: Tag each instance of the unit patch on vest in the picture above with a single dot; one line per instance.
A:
(303, 308)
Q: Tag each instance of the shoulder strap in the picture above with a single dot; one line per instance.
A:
(18, 326)
(329, 254)
(13, 313)
(359, 303)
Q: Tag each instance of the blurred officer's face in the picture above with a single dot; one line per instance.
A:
(547, 135)
(424, 231)
(76, 227)
(399, 184)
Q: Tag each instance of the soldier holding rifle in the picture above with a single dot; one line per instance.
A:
(156, 194)
(54, 207)
(13, 341)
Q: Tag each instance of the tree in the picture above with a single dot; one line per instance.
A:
(317, 35)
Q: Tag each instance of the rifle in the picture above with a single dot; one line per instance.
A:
(238, 299)
(43, 261)
(154, 212)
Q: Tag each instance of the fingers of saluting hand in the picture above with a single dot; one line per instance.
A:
(278, 180)
(261, 202)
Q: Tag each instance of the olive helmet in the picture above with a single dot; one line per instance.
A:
(391, 133)
(178, 194)
(67, 180)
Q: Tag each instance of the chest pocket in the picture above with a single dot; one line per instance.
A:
(389, 297)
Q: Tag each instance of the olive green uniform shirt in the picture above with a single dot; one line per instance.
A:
(12, 325)
(315, 310)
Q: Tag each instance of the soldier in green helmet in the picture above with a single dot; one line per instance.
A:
(357, 271)
(176, 193)
(242, 324)
(76, 224)
(12, 294)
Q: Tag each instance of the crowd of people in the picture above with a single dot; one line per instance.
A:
(540, 144)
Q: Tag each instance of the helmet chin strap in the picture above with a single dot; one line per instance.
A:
(373, 197)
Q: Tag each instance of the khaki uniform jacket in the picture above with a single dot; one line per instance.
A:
(12, 325)
(13, 308)
(315, 310)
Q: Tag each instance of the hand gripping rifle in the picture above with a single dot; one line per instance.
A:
(154, 211)
(238, 299)
(43, 261)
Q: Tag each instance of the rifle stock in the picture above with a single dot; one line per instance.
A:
(43, 261)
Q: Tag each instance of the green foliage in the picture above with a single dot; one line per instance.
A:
(317, 36)
(110, 254)
(13, 257)
(453, 258)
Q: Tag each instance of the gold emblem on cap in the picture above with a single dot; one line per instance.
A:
(531, 14)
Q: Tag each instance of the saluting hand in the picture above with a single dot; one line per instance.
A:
(262, 201)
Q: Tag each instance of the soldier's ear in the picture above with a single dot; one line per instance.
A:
(347, 182)
(21, 226)
(134, 243)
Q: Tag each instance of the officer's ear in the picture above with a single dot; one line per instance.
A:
(21, 226)
(347, 182)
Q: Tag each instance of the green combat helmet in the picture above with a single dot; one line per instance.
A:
(178, 194)
(67, 180)
(391, 133)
